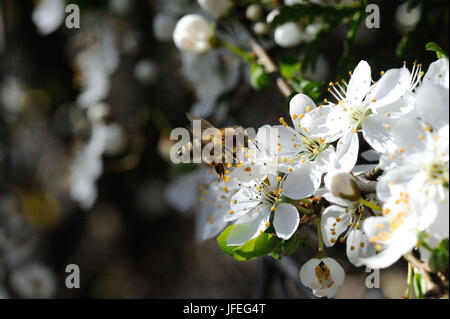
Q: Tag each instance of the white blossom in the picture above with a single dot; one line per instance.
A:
(288, 35)
(48, 15)
(35, 281)
(252, 208)
(323, 276)
(193, 33)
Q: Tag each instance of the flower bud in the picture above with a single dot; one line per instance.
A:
(253, 12)
(311, 31)
(288, 35)
(193, 33)
(261, 28)
(342, 184)
(217, 8)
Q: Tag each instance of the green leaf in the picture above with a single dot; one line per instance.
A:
(329, 13)
(313, 89)
(439, 257)
(221, 240)
(289, 65)
(259, 77)
(288, 247)
(432, 46)
(419, 285)
(262, 245)
(276, 255)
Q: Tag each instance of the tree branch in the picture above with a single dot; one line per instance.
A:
(264, 58)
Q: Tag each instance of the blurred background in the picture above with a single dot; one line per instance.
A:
(85, 174)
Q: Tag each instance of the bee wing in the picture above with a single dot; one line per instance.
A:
(242, 134)
(204, 123)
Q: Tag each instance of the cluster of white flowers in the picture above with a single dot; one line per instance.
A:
(193, 32)
(403, 116)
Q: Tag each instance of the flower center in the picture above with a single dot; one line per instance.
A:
(356, 114)
(312, 147)
(438, 172)
(323, 276)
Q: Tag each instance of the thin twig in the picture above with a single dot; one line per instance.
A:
(270, 66)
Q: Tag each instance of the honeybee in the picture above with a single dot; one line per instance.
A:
(216, 139)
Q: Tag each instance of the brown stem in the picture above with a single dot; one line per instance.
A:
(264, 58)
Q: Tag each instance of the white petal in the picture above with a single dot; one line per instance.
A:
(439, 228)
(335, 200)
(359, 83)
(399, 242)
(285, 220)
(400, 176)
(432, 104)
(377, 131)
(308, 272)
(346, 152)
(327, 292)
(317, 123)
(336, 271)
(302, 182)
(248, 227)
(389, 89)
(406, 133)
(298, 106)
(324, 159)
(382, 260)
(355, 251)
(241, 203)
(329, 222)
(437, 73)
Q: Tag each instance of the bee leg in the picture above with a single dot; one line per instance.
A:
(220, 170)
